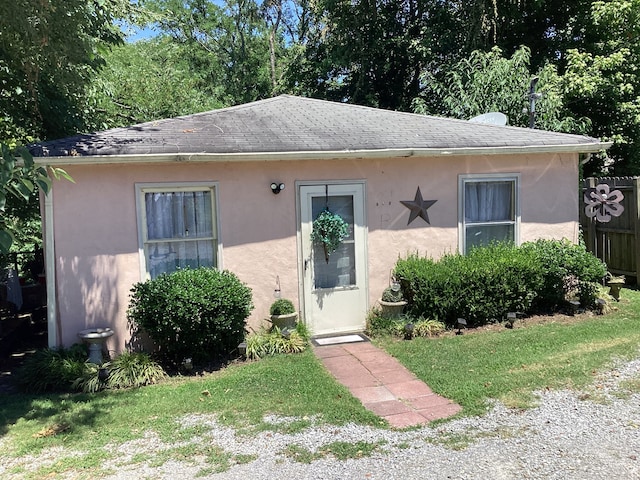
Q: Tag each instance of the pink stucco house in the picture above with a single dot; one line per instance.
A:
(238, 188)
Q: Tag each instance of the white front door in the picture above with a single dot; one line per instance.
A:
(334, 292)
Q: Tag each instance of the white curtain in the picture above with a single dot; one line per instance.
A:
(488, 202)
(181, 218)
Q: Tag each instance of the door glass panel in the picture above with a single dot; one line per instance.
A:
(340, 271)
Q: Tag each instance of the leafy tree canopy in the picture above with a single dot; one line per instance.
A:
(489, 82)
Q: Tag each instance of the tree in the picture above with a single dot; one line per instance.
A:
(48, 51)
(489, 82)
(148, 80)
(229, 44)
(547, 27)
(602, 81)
(369, 52)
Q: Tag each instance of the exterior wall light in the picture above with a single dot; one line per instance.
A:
(276, 188)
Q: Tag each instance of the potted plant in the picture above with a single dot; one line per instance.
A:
(329, 229)
(283, 314)
(392, 302)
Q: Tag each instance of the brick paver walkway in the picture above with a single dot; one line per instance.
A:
(384, 385)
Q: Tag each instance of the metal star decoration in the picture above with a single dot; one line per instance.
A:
(418, 207)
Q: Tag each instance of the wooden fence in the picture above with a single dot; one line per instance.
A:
(616, 242)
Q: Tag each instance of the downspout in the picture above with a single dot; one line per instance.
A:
(50, 269)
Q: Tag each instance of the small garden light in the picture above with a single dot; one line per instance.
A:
(511, 318)
(461, 323)
(103, 375)
(408, 331)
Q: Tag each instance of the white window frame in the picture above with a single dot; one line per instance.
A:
(141, 189)
(487, 177)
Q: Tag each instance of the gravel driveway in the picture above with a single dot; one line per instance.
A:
(590, 434)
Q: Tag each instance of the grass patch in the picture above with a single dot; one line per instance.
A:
(293, 392)
(240, 396)
(509, 365)
(339, 450)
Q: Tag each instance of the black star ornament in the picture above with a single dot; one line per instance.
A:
(418, 207)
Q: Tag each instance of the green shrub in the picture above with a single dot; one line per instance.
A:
(52, 370)
(561, 262)
(198, 313)
(282, 306)
(276, 341)
(428, 328)
(490, 281)
(379, 324)
(480, 287)
(126, 370)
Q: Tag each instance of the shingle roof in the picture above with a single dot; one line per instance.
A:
(295, 124)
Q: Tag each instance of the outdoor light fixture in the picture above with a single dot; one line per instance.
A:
(276, 188)
(575, 306)
(103, 375)
(276, 292)
(408, 331)
(511, 318)
(461, 323)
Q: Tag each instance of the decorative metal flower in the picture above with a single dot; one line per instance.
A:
(602, 203)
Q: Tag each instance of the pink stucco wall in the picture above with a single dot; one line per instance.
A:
(96, 236)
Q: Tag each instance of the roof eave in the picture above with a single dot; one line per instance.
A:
(319, 155)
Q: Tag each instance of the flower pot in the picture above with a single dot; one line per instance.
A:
(392, 309)
(284, 321)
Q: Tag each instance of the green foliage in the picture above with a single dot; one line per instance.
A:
(148, 80)
(277, 341)
(199, 313)
(282, 306)
(20, 179)
(561, 261)
(368, 53)
(50, 370)
(125, 371)
(233, 48)
(489, 282)
(48, 52)
(428, 328)
(389, 295)
(379, 324)
(602, 81)
(329, 229)
(480, 287)
(488, 82)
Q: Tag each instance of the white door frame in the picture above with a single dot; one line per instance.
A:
(301, 272)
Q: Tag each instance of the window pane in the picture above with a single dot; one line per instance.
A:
(178, 215)
(177, 225)
(166, 257)
(488, 201)
(340, 271)
(480, 235)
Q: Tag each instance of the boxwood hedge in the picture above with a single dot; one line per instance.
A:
(488, 282)
(192, 313)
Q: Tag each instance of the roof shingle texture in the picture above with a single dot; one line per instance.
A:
(295, 124)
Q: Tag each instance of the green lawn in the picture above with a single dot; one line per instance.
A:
(470, 369)
(511, 364)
